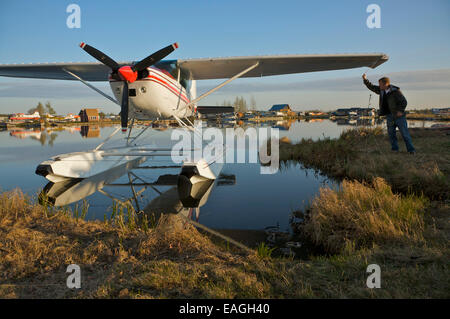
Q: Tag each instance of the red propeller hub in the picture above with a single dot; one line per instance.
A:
(127, 74)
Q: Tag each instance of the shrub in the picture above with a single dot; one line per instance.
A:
(361, 215)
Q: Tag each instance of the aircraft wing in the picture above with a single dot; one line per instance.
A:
(88, 71)
(202, 69)
(218, 68)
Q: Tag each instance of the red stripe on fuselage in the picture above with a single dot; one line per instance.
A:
(164, 76)
(166, 85)
(177, 95)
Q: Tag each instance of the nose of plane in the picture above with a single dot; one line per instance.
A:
(127, 74)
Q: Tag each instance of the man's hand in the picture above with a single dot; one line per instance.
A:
(399, 114)
(364, 76)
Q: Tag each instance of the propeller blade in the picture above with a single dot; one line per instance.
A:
(155, 57)
(124, 107)
(100, 56)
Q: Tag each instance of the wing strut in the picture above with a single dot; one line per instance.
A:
(223, 84)
(92, 87)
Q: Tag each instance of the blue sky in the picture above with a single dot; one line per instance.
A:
(413, 33)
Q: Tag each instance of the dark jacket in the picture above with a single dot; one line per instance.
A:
(390, 103)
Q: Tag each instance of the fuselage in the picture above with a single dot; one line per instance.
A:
(155, 96)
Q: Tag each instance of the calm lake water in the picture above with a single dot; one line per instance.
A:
(243, 199)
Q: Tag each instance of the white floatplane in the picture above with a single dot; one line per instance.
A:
(154, 88)
(80, 165)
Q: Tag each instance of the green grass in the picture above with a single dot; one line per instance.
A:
(264, 251)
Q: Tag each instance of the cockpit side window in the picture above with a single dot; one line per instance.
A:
(171, 68)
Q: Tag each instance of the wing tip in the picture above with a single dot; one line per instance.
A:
(383, 58)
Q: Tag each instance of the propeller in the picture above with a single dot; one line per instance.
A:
(124, 107)
(99, 55)
(128, 73)
(155, 57)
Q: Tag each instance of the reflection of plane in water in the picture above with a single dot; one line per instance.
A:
(22, 134)
(70, 129)
(35, 134)
(183, 198)
(58, 128)
(309, 120)
(186, 194)
(357, 122)
(187, 191)
(68, 191)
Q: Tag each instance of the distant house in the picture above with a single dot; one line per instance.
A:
(89, 115)
(281, 109)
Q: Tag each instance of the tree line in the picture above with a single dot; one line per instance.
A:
(240, 104)
(48, 109)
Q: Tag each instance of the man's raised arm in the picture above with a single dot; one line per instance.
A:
(370, 86)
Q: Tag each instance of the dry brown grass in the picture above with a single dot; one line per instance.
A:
(364, 154)
(359, 215)
(171, 260)
(426, 116)
(174, 260)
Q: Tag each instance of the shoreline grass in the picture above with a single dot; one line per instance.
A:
(360, 215)
(174, 260)
(364, 153)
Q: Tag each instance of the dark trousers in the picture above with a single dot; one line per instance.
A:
(400, 122)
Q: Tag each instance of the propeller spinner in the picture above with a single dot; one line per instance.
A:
(128, 73)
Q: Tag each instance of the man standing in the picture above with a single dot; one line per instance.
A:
(392, 104)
